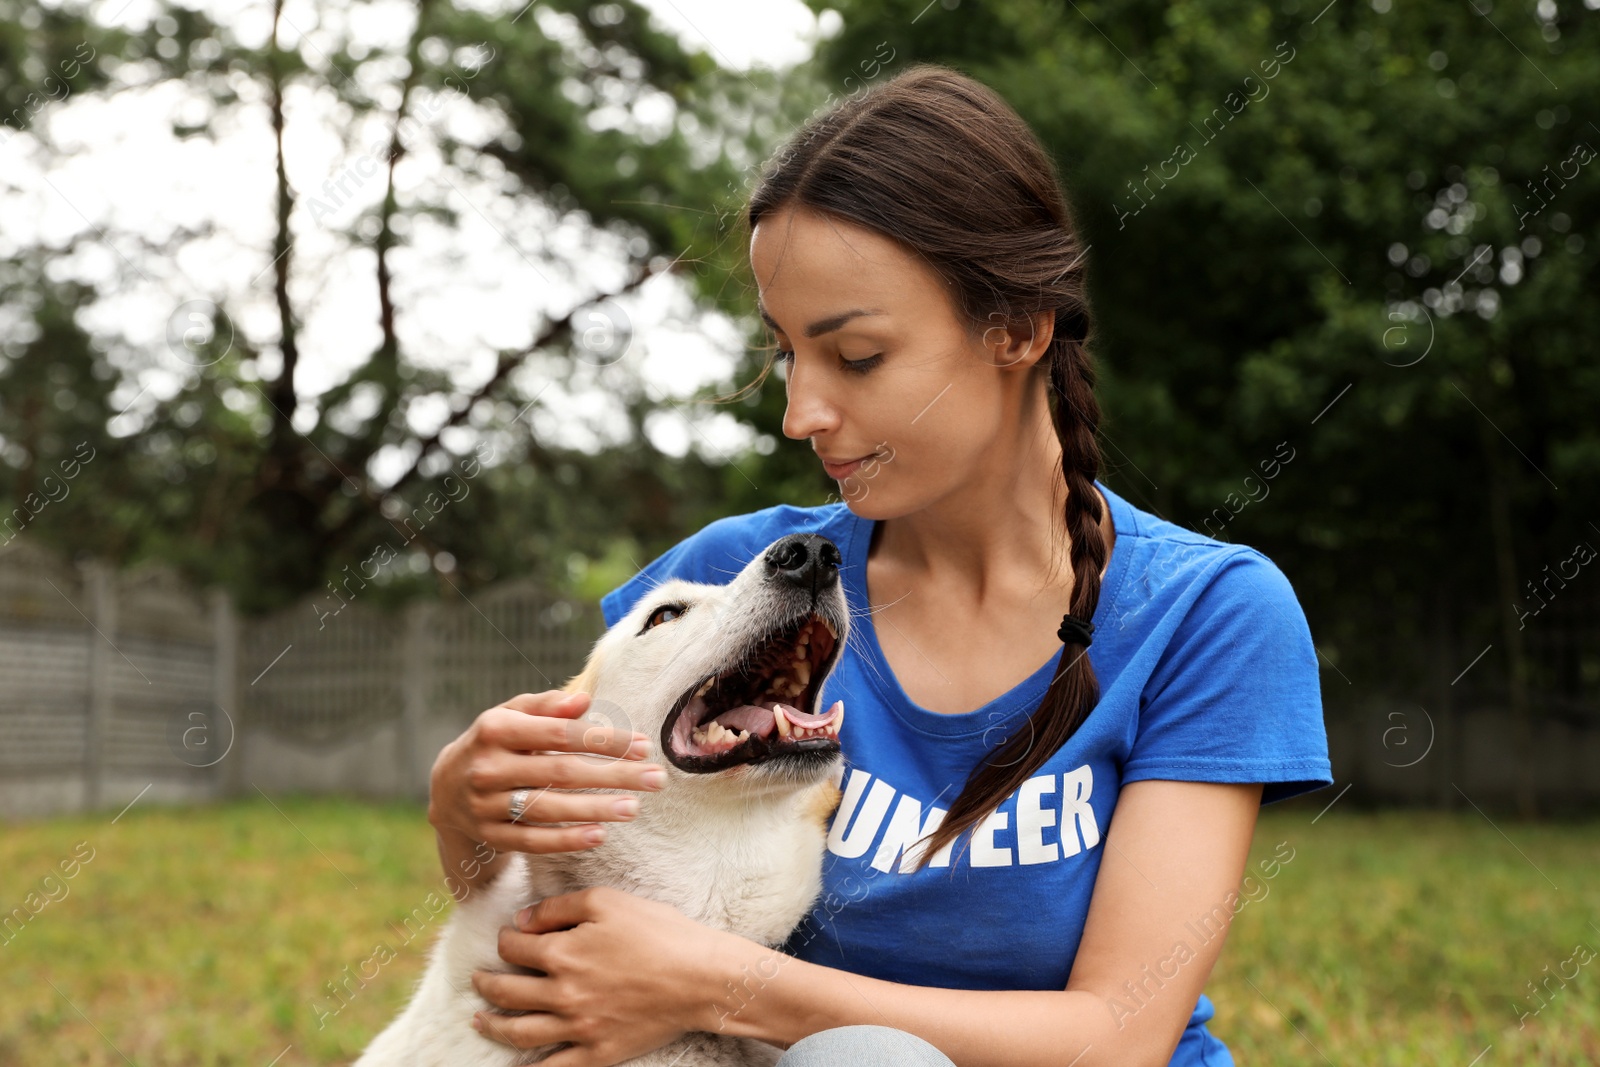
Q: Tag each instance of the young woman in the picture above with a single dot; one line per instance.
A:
(1095, 701)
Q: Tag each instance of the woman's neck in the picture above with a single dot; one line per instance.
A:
(996, 533)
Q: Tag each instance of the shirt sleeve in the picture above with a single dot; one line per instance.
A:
(1237, 695)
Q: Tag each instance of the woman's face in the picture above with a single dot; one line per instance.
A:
(881, 365)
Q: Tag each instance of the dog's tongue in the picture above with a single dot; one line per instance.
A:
(758, 721)
(748, 717)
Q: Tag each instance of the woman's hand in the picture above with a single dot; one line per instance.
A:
(629, 976)
(474, 776)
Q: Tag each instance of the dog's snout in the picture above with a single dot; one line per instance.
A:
(808, 561)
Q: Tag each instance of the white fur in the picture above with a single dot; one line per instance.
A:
(738, 850)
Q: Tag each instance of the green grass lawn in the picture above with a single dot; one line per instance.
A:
(210, 936)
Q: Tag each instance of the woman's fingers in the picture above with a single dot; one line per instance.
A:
(550, 702)
(546, 805)
(532, 721)
(536, 741)
(527, 950)
(505, 837)
(514, 992)
(504, 771)
(522, 1031)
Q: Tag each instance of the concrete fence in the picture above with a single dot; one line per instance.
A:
(116, 686)
(1400, 752)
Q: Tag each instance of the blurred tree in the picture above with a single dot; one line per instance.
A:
(242, 478)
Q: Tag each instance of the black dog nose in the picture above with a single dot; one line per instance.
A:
(807, 560)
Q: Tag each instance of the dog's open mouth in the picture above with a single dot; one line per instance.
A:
(762, 709)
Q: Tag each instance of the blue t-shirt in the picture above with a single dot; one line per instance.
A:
(1207, 673)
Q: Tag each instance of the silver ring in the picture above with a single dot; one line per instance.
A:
(519, 803)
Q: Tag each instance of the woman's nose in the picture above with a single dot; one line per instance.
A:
(808, 411)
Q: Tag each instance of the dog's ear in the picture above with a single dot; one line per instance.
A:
(586, 680)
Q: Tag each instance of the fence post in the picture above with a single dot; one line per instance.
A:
(225, 688)
(417, 672)
(99, 584)
(1447, 739)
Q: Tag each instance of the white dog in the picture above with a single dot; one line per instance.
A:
(726, 679)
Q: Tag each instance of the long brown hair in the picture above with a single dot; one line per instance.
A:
(942, 164)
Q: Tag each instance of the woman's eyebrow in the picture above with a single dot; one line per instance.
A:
(822, 326)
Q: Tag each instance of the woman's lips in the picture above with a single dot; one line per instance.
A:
(838, 471)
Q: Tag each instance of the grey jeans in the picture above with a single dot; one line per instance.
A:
(863, 1046)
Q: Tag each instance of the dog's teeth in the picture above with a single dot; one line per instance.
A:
(702, 690)
(802, 671)
(834, 633)
(784, 726)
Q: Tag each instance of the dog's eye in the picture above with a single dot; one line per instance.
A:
(665, 613)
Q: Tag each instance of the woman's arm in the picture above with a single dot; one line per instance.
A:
(623, 974)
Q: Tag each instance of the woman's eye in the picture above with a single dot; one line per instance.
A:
(860, 366)
(665, 613)
(854, 366)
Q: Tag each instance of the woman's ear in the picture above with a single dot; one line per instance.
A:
(1021, 343)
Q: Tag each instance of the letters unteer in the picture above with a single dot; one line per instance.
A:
(1054, 822)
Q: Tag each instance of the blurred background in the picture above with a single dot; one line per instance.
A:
(349, 351)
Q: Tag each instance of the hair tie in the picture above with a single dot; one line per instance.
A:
(1074, 629)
